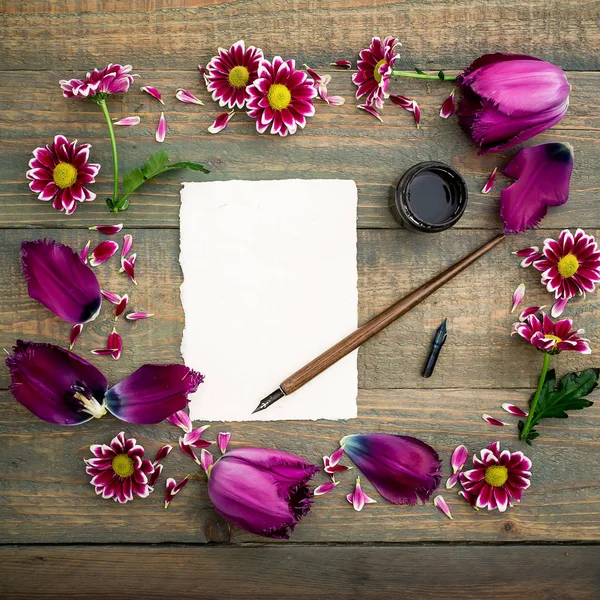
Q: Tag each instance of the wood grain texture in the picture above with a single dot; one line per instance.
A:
(339, 142)
(79, 33)
(466, 572)
(479, 353)
(47, 498)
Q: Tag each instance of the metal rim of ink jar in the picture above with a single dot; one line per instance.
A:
(401, 209)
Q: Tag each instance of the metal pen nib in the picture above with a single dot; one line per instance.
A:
(439, 339)
(270, 399)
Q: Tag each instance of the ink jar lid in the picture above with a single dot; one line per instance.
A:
(430, 197)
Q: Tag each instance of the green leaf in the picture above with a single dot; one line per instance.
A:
(187, 165)
(133, 180)
(441, 75)
(419, 71)
(555, 401)
(156, 163)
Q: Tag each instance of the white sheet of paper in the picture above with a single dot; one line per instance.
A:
(270, 282)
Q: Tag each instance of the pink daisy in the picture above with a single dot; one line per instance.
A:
(498, 479)
(552, 337)
(570, 265)
(375, 69)
(119, 470)
(113, 79)
(281, 96)
(229, 74)
(60, 171)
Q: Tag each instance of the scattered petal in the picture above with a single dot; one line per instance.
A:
(531, 255)
(120, 309)
(452, 480)
(459, 458)
(530, 311)
(153, 92)
(492, 421)
(115, 342)
(128, 267)
(221, 122)
(335, 458)
(403, 101)
(128, 121)
(448, 107)
(172, 489)
(158, 469)
(112, 298)
(518, 296)
(188, 450)
(558, 307)
(180, 419)
(358, 498)
(104, 351)
(514, 410)
(75, 332)
(83, 255)
(102, 252)
(489, 184)
(127, 245)
(107, 229)
(341, 63)
(441, 504)
(161, 130)
(194, 438)
(417, 112)
(223, 440)
(163, 453)
(370, 110)
(187, 97)
(136, 316)
(325, 488)
(206, 460)
(330, 469)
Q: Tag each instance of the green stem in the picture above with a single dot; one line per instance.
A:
(533, 406)
(113, 144)
(421, 76)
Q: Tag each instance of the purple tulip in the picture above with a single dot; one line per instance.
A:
(402, 469)
(60, 387)
(57, 277)
(509, 98)
(262, 491)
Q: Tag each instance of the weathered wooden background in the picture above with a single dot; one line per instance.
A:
(53, 528)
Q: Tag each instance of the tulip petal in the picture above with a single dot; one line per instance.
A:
(58, 279)
(402, 469)
(489, 184)
(161, 130)
(543, 175)
(358, 498)
(128, 121)
(448, 106)
(325, 488)
(120, 309)
(514, 410)
(341, 63)
(518, 296)
(152, 393)
(75, 333)
(492, 421)
(368, 108)
(102, 252)
(441, 505)
(54, 384)
(180, 419)
(206, 460)
(187, 97)
(116, 343)
(107, 229)
(111, 297)
(83, 255)
(558, 307)
(459, 458)
(221, 122)
(153, 92)
(163, 453)
(223, 441)
(136, 316)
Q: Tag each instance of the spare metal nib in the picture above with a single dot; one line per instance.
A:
(439, 340)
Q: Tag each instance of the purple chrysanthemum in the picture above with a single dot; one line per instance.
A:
(60, 171)
(119, 470)
(552, 337)
(113, 79)
(281, 96)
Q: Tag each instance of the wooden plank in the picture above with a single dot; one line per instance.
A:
(338, 142)
(47, 498)
(480, 352)
(435, 573)
(435, 34)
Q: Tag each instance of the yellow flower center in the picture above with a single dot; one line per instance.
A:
(122, 465)
(376, 73)
(238, 76)
(279, 96)
(64, 175)
(568, 265)
(556, 339)
(496, 475)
